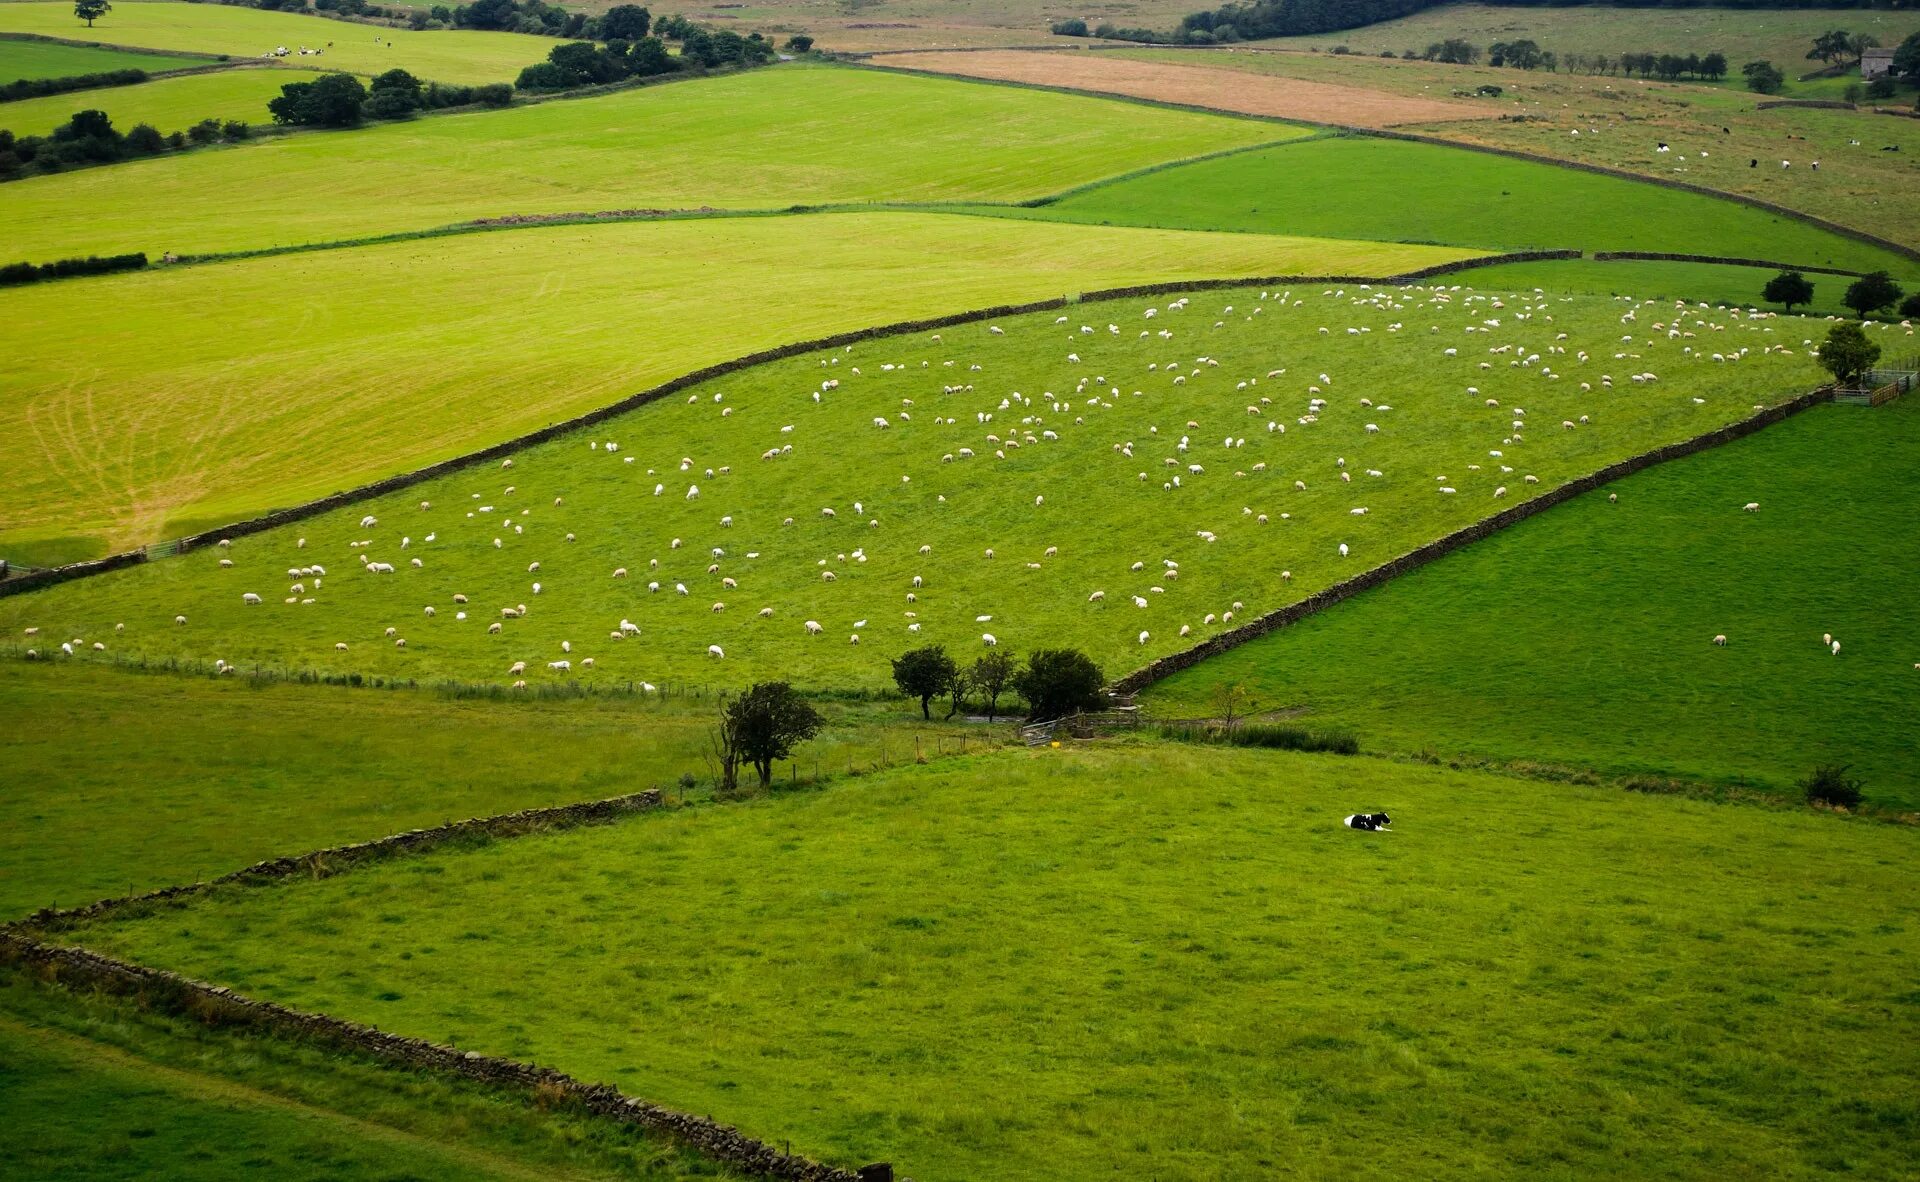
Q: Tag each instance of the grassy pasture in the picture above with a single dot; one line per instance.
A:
(1440, 194)
(48, 59)
(170, 104)
(1166, 961)
(187, 777)
(1582, 636)
(97, 1089)
(1782, 36)
(1714, 133)
(1105, 509)
(464, 56)
(215, 392)
(1709, 282)
(767, 139)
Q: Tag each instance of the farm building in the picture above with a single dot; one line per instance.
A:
(1874, 63)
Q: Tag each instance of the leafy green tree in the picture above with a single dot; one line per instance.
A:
(145, 140)
(648, 56)
(991, 675)
(801, 43)
(626, 22)
(204, 132)
(545, 76)
(1714, 66)
(1058, 682)
(1847, 354)
(1832, 44)
(957, 687)
(1906, 59)
(394, 95)
(924, 673)
(765, 724)
(1910, 307)
(1788, 288)
(234, 130)
(331, 100)
(1870, 293)
(1763, 77)
(1883, 87)
(1072, 27)
(91, 10)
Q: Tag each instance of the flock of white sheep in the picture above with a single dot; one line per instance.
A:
(1224, 448)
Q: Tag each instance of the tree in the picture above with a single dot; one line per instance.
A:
(91, 10)
(145, 140)
(763, 725)
(1714, 66)
(649, 56)
(1910, 307)
(1847, 354)
(801, 43)
(1830, 785)
(487, 14)
(924, 673)
(990, 676)
(395, 94)
(1833, 43)
(1870, 293)
(1058, 682)
(235, 130)
(1455, 51)
(204, 132)
(957, 687)
(1763, 77)
(627, 22)
(1071, 27)
(1906, 59)
(331, 100)
(1882, 87)
(1788, 288)
(1231, 699)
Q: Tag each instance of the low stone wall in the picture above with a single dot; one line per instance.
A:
(1608, 256)
(334, 859)
(1818, 104)
(35, 580)
(1440, 547)
(77, 967)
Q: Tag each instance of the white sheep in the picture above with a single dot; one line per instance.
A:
(249, 597)
(1145, 636)
(714, 650)
(987, 639)
(1721, 640)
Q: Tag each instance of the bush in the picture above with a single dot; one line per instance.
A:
(1273, 736)
(26, 88)
(332, 100)
(204, 132)
(1060, 681)
(801, 43)
(493, 94)
(235, 130)
(145, 140)
(1910, 307)
(1882, 87)
(15, 274)
(1074, 27)
(1830, 786)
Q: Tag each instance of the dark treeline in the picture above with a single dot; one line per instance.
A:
(1294, 18)
(90, 138)
(26, 88)
(640, 51)
(15, 274)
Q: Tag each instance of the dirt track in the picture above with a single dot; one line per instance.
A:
(1196, 85)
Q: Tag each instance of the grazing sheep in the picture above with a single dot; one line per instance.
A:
(340, 646)
(1721, 640)
(714, 650)
(493, 629)
(429, 609)
(562, 666)
(1343, 549)
(1096, 596)
(1752, 507)
(1145, 636)
(249, 597)
(518, 667)
(1836, 648)
(400, 643)
(987, 639)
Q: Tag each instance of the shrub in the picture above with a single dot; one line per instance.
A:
(801, 43)
(1829, 785)
(204, 132)
(145, 140)
(1272, 736)
(1060, 681)
(1073, 27)
(1763, 77)
(1910, 307)
(625, 22)
(1882, 87)
(15, 274)
(25, 88)
(332, 100)
(494, 94)
(235, 130)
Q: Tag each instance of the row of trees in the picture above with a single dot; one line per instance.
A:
(583, 63)
(89, 137)
(1054, 682)
(1875, 292)
(341, 100)
(26, 88)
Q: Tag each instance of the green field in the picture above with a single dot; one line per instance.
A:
(1164, 961)
(47, 59)
(219, 391)
(1582, 636)
(1445, 195)
(1782, 36)
(1117, 518)
(463, 56)
(189, 777)
(767, 139)
(1695, 282)
(97, 1089)
(170, 104)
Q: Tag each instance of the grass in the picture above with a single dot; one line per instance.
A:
(1782, 36)
(1104, 509)
(170, 104)
(1440, 194)
(463, 56)
(1713, 133)
(767, 139)
(223, 390)
(45, 59)
(1582, 636)
(1695, 282)
(188, 777)
(1159, 960)
(99, 1089)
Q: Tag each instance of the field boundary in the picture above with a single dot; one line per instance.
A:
(74, 966)
(1907, 252)
(1614, 256)
(34, 580)
(1446, 544)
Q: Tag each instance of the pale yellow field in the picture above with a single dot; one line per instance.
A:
(207, 393)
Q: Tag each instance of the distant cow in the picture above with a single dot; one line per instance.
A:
(1369, 821)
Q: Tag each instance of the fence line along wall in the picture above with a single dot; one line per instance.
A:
(1440, 547)
(80, 967)
(79, 570)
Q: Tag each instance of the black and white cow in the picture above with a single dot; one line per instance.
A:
(1371, 822)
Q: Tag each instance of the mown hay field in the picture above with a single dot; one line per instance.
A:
(170, 104)
(1715, 136)
(216, 392)
(1157, 960)
(1584, 636)
(914, 490)
(764, 140)
(51, 59)
(1429, 193)
(461, 56)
